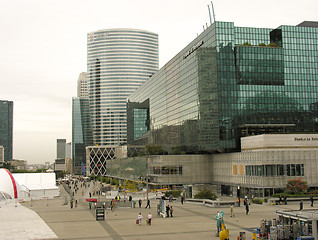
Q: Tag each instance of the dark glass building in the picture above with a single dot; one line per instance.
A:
(228, 83)
(81, 133)
(6, 128)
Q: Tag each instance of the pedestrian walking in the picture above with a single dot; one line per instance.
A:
(285, 199)
(140, 202)
(149, 218)
(148, 203)
(71, 203)
(301, 205)
(231, 210)
(139, 218)
(311, 201)
(245, 201)
(247, 209)
(167, 211)
(219, 221)
(76, 203)
(171, 211)
(182, 199)
(238, 201)
(112, 205)
(130, 198)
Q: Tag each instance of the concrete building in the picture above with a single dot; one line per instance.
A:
(82, 90)
(118, 62)
(18, 164)
(63, 164)
(6, 128)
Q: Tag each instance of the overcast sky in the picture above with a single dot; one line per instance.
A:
(43, 51)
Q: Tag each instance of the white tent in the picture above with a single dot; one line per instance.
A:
(36, 185)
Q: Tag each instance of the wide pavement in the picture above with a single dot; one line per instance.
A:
(190, 221)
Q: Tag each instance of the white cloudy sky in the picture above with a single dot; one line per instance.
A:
(43, 50)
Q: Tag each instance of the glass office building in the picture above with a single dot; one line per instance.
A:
(6, 128)
(118, 62)
(81, 133)
(228, 83)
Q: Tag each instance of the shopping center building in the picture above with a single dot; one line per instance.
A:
(228, 83)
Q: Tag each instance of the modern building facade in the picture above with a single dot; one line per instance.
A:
(230, 82)
(6, 128)
(118, 62)
(81, 125)
(81, 132)
(60, 148)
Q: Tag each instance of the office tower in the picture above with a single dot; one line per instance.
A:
(82, 85)
(60, 148)
(230, 82)
(81, 125)
(81, 132)
(6, 128)
(118, 62)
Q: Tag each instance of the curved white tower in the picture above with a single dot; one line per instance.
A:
(118, 62)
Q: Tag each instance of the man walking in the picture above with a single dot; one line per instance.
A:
(148, 203)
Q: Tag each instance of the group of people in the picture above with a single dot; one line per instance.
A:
(148, 203)
(169, 211)
(148, 220)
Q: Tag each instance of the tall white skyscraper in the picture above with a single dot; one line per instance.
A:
(118, 62)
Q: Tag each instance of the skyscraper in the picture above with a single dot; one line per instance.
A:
(82, 85)
(118, 62)
(81, 130)
(6, 128)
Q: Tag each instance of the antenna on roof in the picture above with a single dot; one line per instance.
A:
(212, 12)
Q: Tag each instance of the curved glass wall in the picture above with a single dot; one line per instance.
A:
(118, 62)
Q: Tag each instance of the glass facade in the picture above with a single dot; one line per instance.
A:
(118, 62)
(6, 128)
(81, 133)
(232, 82)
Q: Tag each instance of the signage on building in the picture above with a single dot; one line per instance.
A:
(306, 138)
(93, 36)
(191, 50)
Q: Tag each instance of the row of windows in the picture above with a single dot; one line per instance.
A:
(275, 170)
(165, 170)
(130, 34)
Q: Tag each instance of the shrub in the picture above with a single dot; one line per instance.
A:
(205, 194)
(174, 193)
(257, 201)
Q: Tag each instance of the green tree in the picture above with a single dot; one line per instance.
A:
(205, 194)
(297, 185)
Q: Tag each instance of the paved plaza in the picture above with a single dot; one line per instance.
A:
(190, 221)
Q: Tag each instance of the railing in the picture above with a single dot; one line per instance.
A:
(210, 203)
